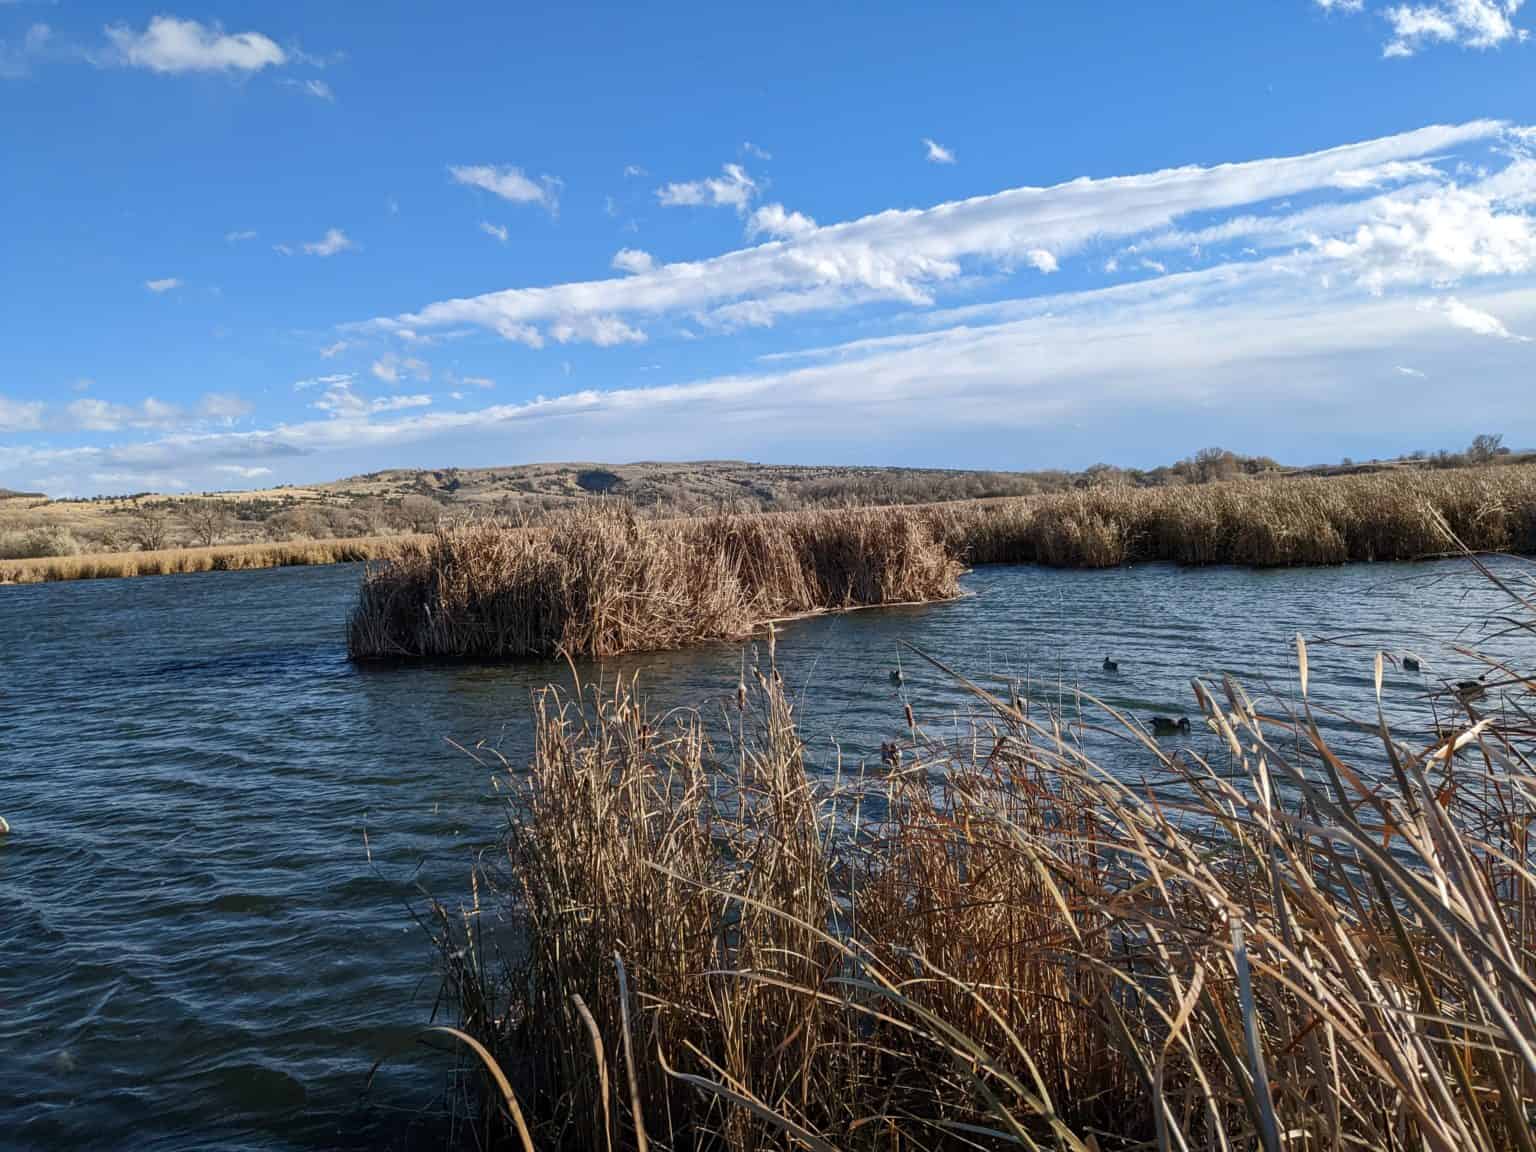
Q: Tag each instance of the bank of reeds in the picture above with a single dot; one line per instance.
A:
(995, 942)
(217, 558)
(601, 581)
(1263, 523)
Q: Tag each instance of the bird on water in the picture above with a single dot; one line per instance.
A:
(1110, 665)
(897, 678)
(1470, 690)
(1410, 663)
(1167, 724)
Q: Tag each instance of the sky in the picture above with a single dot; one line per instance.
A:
(248, 244)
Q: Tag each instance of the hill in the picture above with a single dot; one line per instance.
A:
(397, 501)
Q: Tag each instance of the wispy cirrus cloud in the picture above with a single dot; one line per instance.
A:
(936, 153)
(508, 182)
(733, 188)
(160, 287)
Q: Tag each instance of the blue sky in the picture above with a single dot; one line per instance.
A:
(249, 244)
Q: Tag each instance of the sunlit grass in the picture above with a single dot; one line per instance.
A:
(1000, 943)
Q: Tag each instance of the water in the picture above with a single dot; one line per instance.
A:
(219, 823)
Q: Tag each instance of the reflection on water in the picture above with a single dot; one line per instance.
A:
(195, 945)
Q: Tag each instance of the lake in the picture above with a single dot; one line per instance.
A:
(198, 946)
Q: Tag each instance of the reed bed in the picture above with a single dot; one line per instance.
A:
(602, 581)
(993, 942)
(218, 558)
(1261, 523)
(599, 581)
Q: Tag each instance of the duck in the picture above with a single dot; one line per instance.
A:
(1110, 665)
(897, 678)
(1166, 725)
(1410, 663)
(1469, 690)
(890, 754)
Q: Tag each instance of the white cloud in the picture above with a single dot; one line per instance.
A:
(907, 255)
(345, 404)
(1040, 364)
(1476, 320)
(239, 237)
(1403, 370)
(936, 153)
(1111, 266)
(1156, 266)
(240, 470)
(90, 414)
(223, 407)
(20, 415)
(170, 45)
(775, 221)
(1041, 260)
(1341, 5)
(1469, 23)
(633, 171)
(508, 182)
(331, 351)
(1436, 238)
(165, 285)
(334, 241)
(323, 381)
(392, 369)
(633, 260)
(733, 189)
(498, 231)
(319, 89)
(753, 150)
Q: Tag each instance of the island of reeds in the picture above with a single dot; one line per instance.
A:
(602, 580)
(991, 941)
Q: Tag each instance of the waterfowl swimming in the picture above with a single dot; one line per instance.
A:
(1110, 665)
(1470, 690)
(1410, 663)
(1166, 725)
(890, 754)
(897, 678)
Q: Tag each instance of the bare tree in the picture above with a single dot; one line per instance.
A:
(209, 519)
(1485, 447)
(150, 527)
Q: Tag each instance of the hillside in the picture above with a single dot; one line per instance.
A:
(412, 500)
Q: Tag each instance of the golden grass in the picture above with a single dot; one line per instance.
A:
(1264, 523)
(999, 943)
(218, 558)
(601, 580)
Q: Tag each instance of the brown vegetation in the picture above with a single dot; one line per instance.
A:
(602, 581)
(221, 558)
(1308, 520)
(997, 942)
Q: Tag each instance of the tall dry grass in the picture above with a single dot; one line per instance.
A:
(217, 558)
(997, 942)
(601, 581)
(1264, 523)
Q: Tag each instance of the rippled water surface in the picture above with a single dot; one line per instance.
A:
(195, 947)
